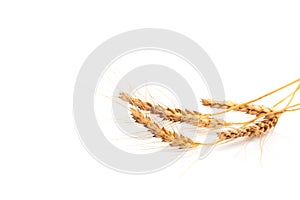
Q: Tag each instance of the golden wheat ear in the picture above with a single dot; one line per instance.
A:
(256, 99)
(194, 118)
(171, 137)
(250, 109)
(257, 129)
(259, 111)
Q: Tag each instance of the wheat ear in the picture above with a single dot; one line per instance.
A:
(246, 108)
(259, 128)
(174, 139)
(194, 118)
(256, 99)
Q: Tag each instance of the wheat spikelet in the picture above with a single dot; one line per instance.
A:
(246, 108)
(143, 105)
(174, 139)
(194, 118)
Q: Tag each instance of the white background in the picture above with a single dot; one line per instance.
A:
(255, 46)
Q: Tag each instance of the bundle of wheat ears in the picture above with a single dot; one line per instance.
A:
(265, 118)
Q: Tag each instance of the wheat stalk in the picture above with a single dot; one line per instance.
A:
(266, 118)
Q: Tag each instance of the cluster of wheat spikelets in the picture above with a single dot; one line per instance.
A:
(265, 118)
